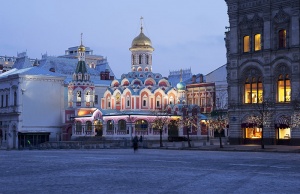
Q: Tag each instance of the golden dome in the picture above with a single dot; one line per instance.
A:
(141, 41)
(81, 48)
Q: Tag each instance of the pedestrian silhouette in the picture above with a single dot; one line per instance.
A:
(135, 142)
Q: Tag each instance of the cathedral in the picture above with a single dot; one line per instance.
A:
(131, 104)
(263, 58)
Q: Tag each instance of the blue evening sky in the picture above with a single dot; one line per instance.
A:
(184, 34)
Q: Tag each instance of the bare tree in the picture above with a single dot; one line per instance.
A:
(188, 122)
(162, 119)
(261, 116)
(218, 122)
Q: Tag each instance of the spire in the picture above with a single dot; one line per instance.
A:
(141, 24)
(81, 50)
(180, 75)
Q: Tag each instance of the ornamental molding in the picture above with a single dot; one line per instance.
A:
(281, 17)
(42, 79)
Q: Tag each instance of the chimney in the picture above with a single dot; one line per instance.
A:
(194, 79)
(201, 78)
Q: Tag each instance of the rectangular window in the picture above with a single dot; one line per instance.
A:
(284, 133)
(2, 100)
(247, 93)
(246, 44)
(253, 133)
(96, 99)
(287, 90)
(260, 92)
(6, 100)
(257, 42)
(280, 90)
(203, 102)
(282, 39)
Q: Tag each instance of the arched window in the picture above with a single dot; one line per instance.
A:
(127, 101)
(140, 59)
(158, 102)
(132, 62)
(246, 42)
(78, 126)
(122, 125)
(253, 90)
(88, 126)
(147, 59)
(171, 100)
(78, 96)
(141, 125)
(282, 38)
(110, 125)
(108, 102)
(88, 96)
(145, 101)
(257, 42)
(284, 88)
(15, 98)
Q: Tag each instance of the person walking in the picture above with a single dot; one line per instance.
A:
(135, 142)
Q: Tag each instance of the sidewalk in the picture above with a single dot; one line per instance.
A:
(251, 148)
(216, 147)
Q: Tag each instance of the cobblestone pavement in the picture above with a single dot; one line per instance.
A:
(147, 171)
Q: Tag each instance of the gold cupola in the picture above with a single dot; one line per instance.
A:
(81, 48)
(141, 41)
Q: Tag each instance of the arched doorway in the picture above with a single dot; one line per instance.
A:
(283, 130)
(172, 130)
(141, 127)
(98, 127)
(251, 130)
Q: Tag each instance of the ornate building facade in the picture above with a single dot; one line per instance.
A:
(131, 104)
(263, 50)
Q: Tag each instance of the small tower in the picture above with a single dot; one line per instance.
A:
(181, 87)
(141, 52)
(81, 88)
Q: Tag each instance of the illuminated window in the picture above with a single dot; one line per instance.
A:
(257, 42)
(282, 38)
(284, 133)
(284, 88)
(110, 125)
(246, 44)
(253, 90)
(253, 133)
(141, 125)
